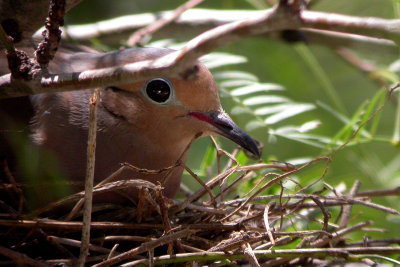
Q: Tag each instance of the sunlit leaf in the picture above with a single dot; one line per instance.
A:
(380, 95)
(215, 60)
(240, 110)
(235, 75)
(308, 126)
(288, 112)
(235, 83)
(272, 109)
(252, 125)
(257, 100)
(255, 88)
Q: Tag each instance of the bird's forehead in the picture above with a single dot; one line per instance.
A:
(199, 91)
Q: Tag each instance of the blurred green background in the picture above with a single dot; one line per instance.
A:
(306, 71)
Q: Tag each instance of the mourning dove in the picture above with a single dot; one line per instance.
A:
(148, 124)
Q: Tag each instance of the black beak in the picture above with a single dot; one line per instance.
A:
(227, 128)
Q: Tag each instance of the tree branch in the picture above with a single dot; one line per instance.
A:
(180, 62)
(196, 21)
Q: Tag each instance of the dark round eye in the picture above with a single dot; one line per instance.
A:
(158, 90)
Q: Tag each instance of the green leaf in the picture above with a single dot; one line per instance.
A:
(257, 100)
(215, 60)
(379, 96)
(235, 75)
(352, 125)
(208, 159)
(283, 111)
(256, 88)
(255, 124)
(237, 110)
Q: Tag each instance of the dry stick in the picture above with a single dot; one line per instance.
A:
(271, 182)
(151, 258)
(380, 192)
(126, 238)
(266, 222)
(336, 201)
(78, 244)
(325, 240)
(77, 226)
(144, 247)
(210, 184)
(55, 244)
(346, 213)
(232, 159)
(52, 34)
(353, 201)
(121, 184)
(21, 259)
(206, 209)
(260, 181)
(124, 166)
(210, 193)
(232, 185)
(15, 187)
(165, 219)
(7, 41)
(327, 215)
(376, 242)
(79, 204)
(346, 253)
(138, 35)
(112, 252)
(177, 63)
(249, 169)
(91, 150)
(249, 253)
(196, 20)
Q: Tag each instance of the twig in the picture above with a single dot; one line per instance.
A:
(249, 253)
(111, 186)
(21, 259)
(339, 200)
(202, 184)
(144, 247)
(91, 150)
(52, 34)
(157, 25)
(346, 213)
(112, 252)
(195, 21)
(179, 62)
(266, 222)
(327, 215)
(77, 226)
(78, 244)
(276, 253)
(269, 183)
(210, 184)
(6, 40)
(325, 240)
(380, 192)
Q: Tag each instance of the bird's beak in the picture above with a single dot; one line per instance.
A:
(224, 126)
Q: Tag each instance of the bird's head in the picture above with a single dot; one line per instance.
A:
(173, 109)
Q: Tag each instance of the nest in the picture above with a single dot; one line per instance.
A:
(288, 229)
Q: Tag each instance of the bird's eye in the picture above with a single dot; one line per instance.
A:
(158, 90)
